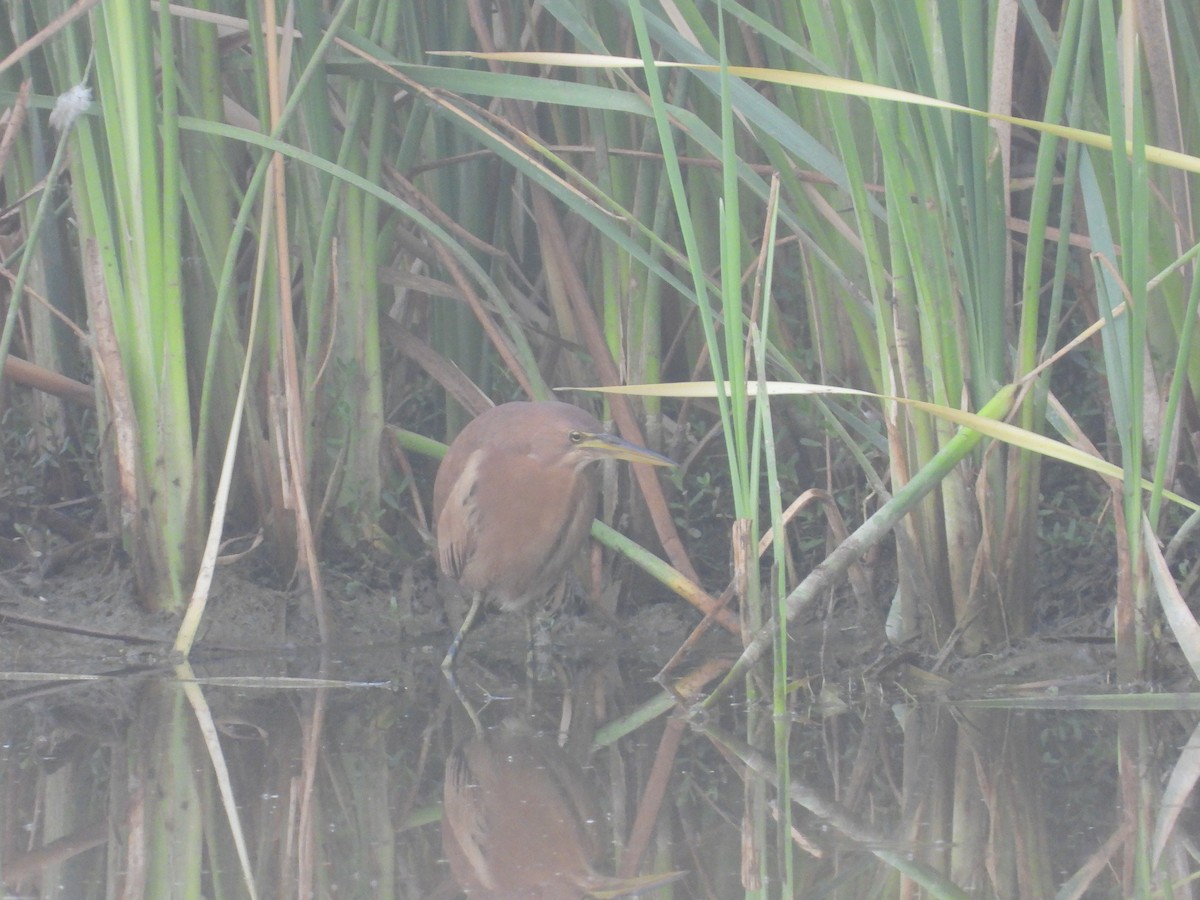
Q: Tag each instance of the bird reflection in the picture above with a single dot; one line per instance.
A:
(518, 821)
(514, 499)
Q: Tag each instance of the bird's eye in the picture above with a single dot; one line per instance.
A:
(575, 437)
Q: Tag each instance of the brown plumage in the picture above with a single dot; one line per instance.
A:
(514, 499)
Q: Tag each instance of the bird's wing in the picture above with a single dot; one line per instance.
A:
(455, 526)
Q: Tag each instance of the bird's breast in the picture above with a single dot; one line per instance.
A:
(513, 537)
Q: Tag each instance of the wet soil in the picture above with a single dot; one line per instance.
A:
(86, 621)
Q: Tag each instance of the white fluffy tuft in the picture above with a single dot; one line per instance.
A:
(70, 106)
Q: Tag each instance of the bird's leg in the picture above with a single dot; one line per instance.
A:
(452, 679)
(476, 603)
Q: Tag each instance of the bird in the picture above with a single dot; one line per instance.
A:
(514, 498)
(519, 821)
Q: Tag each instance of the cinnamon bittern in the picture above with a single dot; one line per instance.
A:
(514, 500)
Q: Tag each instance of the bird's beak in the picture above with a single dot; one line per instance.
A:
(609, 446)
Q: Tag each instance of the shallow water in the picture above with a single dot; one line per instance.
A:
(361, 773)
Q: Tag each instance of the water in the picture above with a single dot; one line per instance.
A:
(302, 775)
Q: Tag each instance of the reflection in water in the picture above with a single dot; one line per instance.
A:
(519, 819)
(111, 789)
